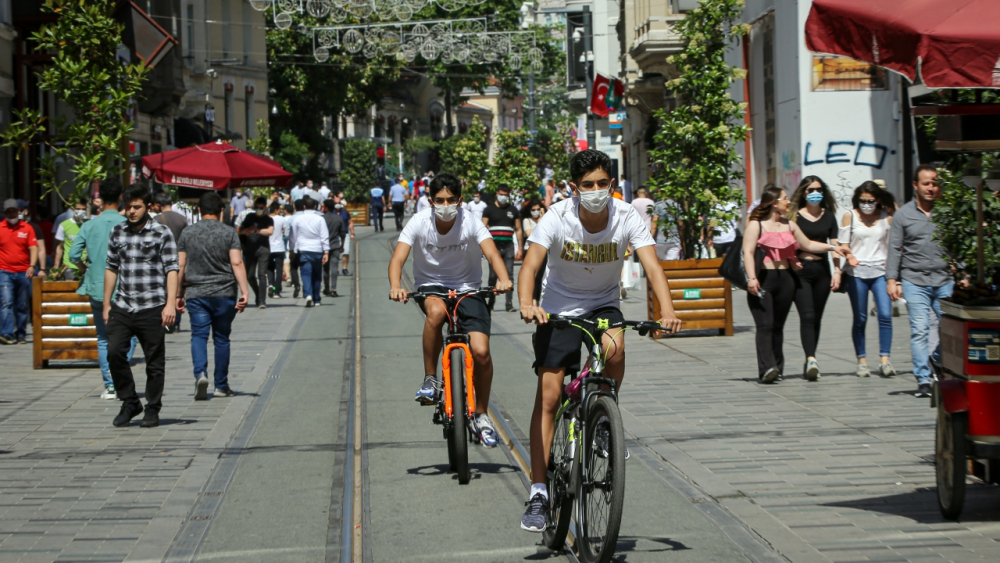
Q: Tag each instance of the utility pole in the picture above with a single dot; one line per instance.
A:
(531, 102)
(588, 39)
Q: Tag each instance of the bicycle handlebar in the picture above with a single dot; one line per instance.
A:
(482, 291)
(642, 327)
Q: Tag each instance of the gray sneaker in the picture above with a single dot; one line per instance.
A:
(887, 370)
(812, 370)
(770, 376)
(534, 518)
(863, 370)
(201, 389)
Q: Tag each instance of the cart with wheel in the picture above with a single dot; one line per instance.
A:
(967, 398)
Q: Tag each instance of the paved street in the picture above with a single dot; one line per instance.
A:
(722, 469)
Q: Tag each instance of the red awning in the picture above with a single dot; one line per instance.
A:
(214, 166)
(957, 42)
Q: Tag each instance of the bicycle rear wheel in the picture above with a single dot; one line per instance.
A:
(561, 467)
(458, 442)
(602, 494)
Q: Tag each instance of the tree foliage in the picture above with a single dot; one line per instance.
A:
(261, 143)
(694, 155)
(514, 165)
(306, 91)
(414, 147)
(86, 74)
(465, 155)
(358, 170)
(955, 218)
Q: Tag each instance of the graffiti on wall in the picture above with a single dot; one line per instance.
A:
(844, 165)
(791, 171)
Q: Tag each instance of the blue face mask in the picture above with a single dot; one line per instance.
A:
(815, 198)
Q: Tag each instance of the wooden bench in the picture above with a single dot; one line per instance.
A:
(702, 298)
(63, 323)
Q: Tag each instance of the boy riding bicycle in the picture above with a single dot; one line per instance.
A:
(449, 243)
(585, 239)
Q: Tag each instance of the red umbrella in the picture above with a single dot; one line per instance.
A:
(954, 43)
(214, 166)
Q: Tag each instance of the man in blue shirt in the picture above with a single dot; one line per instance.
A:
(398, 195)
(297, 192)
(378, 207)
(238, 204)
(93, 237)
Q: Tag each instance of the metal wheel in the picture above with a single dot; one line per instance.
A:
(602, 492)
(950, 460)
(562, 464)
(458, 444)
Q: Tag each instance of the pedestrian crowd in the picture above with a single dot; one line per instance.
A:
(143, 259)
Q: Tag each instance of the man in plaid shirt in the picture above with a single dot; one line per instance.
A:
(142, 261)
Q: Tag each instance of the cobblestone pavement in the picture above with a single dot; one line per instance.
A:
(72, 487)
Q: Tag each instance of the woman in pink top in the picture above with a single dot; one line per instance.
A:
(771, 284)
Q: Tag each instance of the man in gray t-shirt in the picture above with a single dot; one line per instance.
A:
(211, 271)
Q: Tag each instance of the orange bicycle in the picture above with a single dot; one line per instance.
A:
(458, 408)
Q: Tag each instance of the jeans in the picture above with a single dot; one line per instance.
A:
(217, 314)
(257, 261)
(398, 207)
(275, 271)
(15, 295)
(312, 274)
(147, 326)
(811, 293)
(97, 308)
(923, 302)
(769, 315)
(506, 250)
(378, 212)
(331, 270)
(857, 290)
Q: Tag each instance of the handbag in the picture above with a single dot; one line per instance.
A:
(842, 288)
(630, 275)
(732, 265)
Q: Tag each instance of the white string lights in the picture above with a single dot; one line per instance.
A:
(339, 10)
(450, 41)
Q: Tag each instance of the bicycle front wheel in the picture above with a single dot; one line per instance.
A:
(602, 493)
(560, 470)
(458, 441)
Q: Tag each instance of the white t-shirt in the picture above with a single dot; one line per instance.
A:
(727, 231)
(584, 268)
(324, 192)
(453, 260)
(277, 238)
(423, 203)
(476, 208)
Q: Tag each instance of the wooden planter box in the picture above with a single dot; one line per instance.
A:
(63, 323)
(359, 213)
(702, 298)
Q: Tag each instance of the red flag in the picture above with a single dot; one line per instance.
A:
(598, 96)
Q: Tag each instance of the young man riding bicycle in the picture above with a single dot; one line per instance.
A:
(449, 243)
(585, 239)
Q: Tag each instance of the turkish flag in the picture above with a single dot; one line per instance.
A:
(598, 96)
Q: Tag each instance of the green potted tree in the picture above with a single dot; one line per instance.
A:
(358, 177)
(513, 164)
(86, 75)
(695, 163)
(465, 155)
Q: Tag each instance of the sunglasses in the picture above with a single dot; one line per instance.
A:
(867, 201)
(814, 190)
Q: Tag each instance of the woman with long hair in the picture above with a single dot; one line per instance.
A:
(865, 229)
(813, 208)
(771, 284)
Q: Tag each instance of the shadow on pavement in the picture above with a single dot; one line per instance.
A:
(477, 470)
(982, 504)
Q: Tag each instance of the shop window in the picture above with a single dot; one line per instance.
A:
(832, 73)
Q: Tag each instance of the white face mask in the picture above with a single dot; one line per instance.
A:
(503, 200)
(867, 208)
(338, 206)
(446, 213)
(476, 199)
(595, 201)
(13, 222)
(536, 213)
(79, 215)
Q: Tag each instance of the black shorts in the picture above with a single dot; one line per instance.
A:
(561, 348)
(473, 315)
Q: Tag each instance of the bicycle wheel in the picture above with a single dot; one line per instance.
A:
(458, 443)
(561, 467)
(602, 494)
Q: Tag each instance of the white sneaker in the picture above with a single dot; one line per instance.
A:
(109, 393)
(309, 301)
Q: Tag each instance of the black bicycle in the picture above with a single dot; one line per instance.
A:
(587, 458)
(457, 410)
